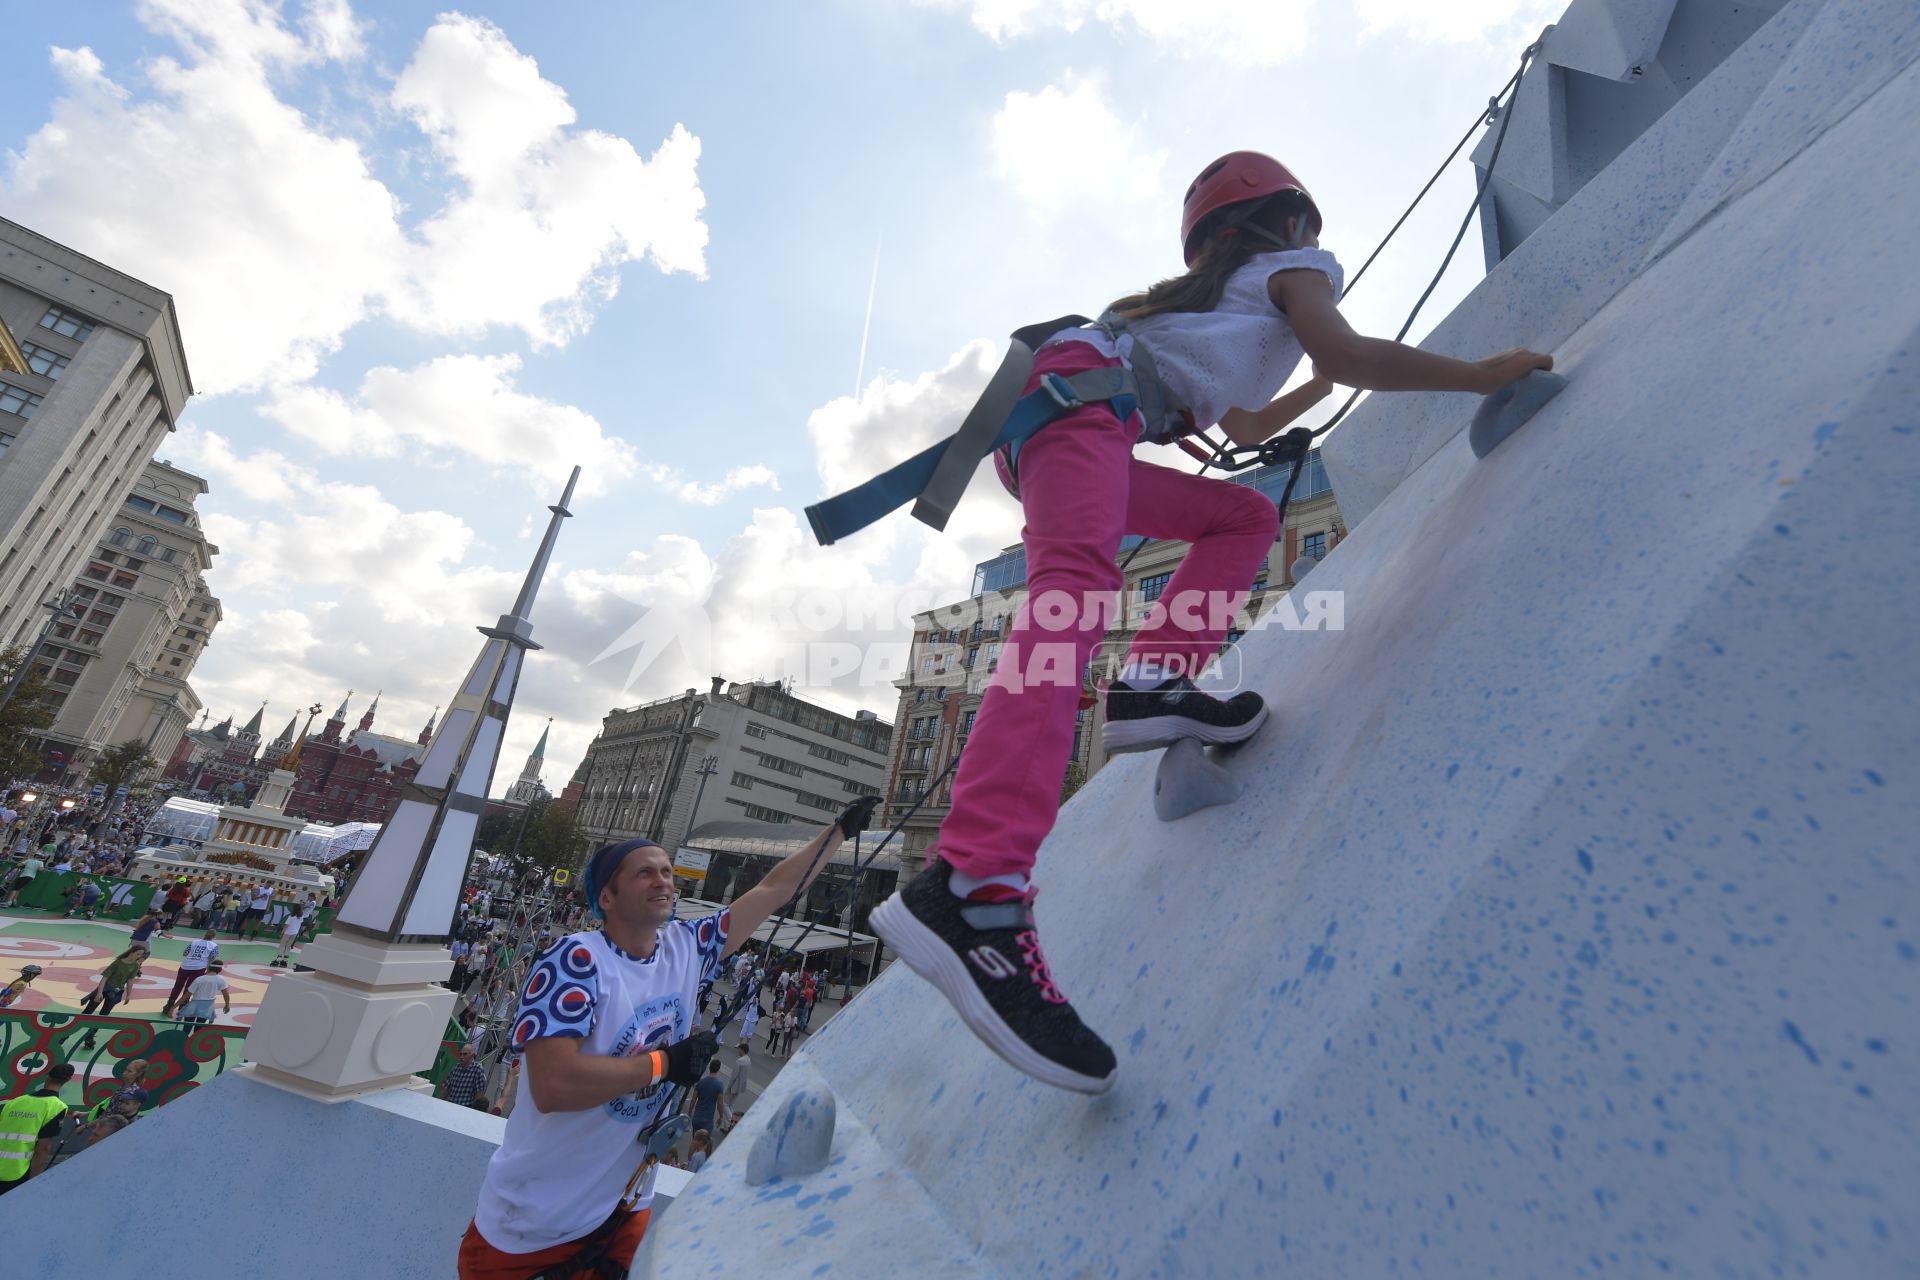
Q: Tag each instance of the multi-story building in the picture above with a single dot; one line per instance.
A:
(956, 647)
(119, 671)
(355, 777)
(101, 377)
(752, 751)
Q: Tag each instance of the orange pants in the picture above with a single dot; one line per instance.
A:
(481, 1261)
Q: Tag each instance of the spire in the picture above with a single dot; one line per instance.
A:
(406, 888)
(540, 748)
(426, 734)
(336, 722)
(366, 721)
(293, 725)
(531, 774)
(253, 725)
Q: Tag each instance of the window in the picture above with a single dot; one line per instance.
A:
(139, 504)
(173, 662)
(6, 441)
(967, 726)
(744, 781)
(67, 324)
(168, 513)
(134, 566)
(64, 676)
(146, 546)
(973, 657)
(48, 364)
(100, 616)
(1150, 588)
(756, 730)
(18, 400)
(167, 554)
(1315, 545)
(98, 572)
(125, 580)
(89, 637)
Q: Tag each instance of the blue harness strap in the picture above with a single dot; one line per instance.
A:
(849, 512)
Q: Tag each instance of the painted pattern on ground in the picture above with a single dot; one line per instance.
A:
(73, 952)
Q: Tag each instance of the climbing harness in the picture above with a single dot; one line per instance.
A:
(935, 478)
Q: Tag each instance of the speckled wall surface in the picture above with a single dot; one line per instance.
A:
(1569, 924)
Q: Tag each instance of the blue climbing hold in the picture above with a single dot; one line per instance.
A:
(1507, 410)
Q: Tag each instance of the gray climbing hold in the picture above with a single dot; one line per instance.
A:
(1188, 781)
(796, 1141)
(1301, 568)
(1507, 410)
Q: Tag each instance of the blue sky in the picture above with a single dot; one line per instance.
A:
(426, 258)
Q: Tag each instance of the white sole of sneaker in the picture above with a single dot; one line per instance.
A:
(1118, 737)
(933, 960)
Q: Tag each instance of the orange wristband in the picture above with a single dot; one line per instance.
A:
(659, 1060)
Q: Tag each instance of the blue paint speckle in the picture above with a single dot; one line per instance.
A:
(1452, 769)
(1514, 1051)
(1586, 860)
(1793, 1034)
(1200, 1103)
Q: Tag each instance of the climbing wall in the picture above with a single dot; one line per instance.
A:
(1567, 925)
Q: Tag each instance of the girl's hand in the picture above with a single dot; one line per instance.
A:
(1320, 384)
(1496, 371)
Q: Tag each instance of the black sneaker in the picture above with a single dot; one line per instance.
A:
(1145, 719)
(985, 959)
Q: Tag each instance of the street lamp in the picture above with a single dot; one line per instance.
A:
(61, 606)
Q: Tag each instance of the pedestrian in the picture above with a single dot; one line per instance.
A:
(203, 908)
(111, 986)
(201, 952)
(18, 987)
(144, 927)
(789, 1024)
(132, 1094)
(1259, 294)
(258, 904)
(605, 1028)
(703, 1100)
(172, 905)
(202, 992)
(289, 934)
(29, 1126)
(459, 949)
(466, 1084)
(29, 871)
(735, 1100)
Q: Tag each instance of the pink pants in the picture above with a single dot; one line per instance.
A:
(1081, 491)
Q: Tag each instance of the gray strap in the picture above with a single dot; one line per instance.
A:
(998, 915)
(974, 440)
(1159, 403)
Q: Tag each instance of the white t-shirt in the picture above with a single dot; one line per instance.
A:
(558, 1175)
(1236, 356)
(198, 952)
(207, 987)
(262, 899)
(292, 927)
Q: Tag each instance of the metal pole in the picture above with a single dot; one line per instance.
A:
(59, 607)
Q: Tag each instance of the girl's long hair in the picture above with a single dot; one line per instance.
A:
(1220, 256)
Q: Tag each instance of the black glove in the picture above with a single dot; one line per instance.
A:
(856, 817)
(687, 1060)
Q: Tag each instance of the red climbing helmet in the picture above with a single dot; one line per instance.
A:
(1236, 177)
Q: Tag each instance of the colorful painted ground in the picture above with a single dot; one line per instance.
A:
(73, 952)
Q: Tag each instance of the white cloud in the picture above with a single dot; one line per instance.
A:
(1456, 22)
(550, 213)
(274, 235)
(466, 406)
(1045, 144)
(1246, 33)
(711, 494)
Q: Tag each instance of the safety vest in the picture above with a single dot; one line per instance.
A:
(20, 1123)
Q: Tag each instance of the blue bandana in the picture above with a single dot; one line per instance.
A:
(605, 865)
